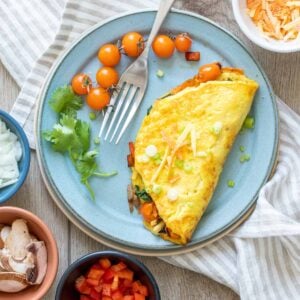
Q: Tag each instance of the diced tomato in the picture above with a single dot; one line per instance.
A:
(84, 297)
(105, 263)
(126, 274)
(117, 295)
(92, 282)
(128, 297)
(138, 296)
(115, 283)
(106, 289)
(143, 290)
(118, 267)
(99, 287)
(108, 275)
(95, 273)
(82, 286)
(136, 286)
(95, 295)
(127, 283)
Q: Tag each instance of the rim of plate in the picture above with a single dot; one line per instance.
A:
(82, 224)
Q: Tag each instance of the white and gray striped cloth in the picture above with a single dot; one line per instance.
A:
(260, 259)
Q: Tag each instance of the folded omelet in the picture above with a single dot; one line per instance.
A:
(181, 148)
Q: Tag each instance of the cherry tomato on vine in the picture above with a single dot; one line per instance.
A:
(209, 71)
(133, 44)
(183, 42)
(81, 84)
(109, 55)
(98, 98)
(107, 77)
(163, 46)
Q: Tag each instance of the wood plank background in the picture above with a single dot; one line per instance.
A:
(175, 283)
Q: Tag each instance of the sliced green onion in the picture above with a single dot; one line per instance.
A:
(92, 116)
(230, 183)
(160, 73)
(156, 156)
(156, 189)
(157, 161)
(242, 148)
(244, 157)
(217, 127)
(148, 190)
(187, 167)
(249, 123)
(96, 141)
(179, 163)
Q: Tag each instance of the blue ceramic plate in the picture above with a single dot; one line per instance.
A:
(108, 219)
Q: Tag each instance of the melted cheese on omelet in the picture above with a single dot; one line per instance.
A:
(193, 132)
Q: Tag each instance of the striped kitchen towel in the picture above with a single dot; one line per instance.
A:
(260, 259)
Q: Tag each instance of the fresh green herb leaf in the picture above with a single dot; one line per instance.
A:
(230, 183)
(142, 194)
(64, 100)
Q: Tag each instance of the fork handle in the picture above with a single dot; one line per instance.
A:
(164, 7)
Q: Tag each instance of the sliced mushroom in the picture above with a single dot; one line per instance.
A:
(22, 266)
(18, 239)
(4, 261)
(11, 282)
(4, 232)
(39, 251)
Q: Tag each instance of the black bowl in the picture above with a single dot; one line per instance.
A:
(66, 291)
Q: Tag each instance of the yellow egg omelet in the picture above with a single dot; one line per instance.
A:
(181, 148)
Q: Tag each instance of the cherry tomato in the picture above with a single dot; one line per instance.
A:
(209, 72)
(107, 77)
(133, 44)
(109, 55)
(183, 42)
(163, 46)
(98, 98)
(81, 84)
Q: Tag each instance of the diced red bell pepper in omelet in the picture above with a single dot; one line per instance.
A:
(105, 263)
(126, 274)
(82, 286)
(138, 296)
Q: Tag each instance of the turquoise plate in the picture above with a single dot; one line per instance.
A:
(108, 219)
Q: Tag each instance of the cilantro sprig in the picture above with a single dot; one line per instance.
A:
(72, 135)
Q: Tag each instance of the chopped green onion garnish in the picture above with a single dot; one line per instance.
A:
(156, 189)
(230, 183)
(249, 123)
(179, 163)
(156, 156)
(92, 116)
(244, 157)
(96, 141)
(242, 148)
(157, 161)
(187, 167)
(160, 73)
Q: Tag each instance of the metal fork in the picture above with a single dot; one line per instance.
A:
(133, 84)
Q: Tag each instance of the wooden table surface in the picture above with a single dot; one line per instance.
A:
(283, 71)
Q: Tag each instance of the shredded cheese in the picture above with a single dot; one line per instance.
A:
(278, 19)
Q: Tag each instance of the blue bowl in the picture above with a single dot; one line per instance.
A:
(66, 290)
(7, 192)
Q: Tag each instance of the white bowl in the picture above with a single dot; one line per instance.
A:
(253, 33)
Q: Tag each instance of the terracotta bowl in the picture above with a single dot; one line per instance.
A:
(37, 227)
